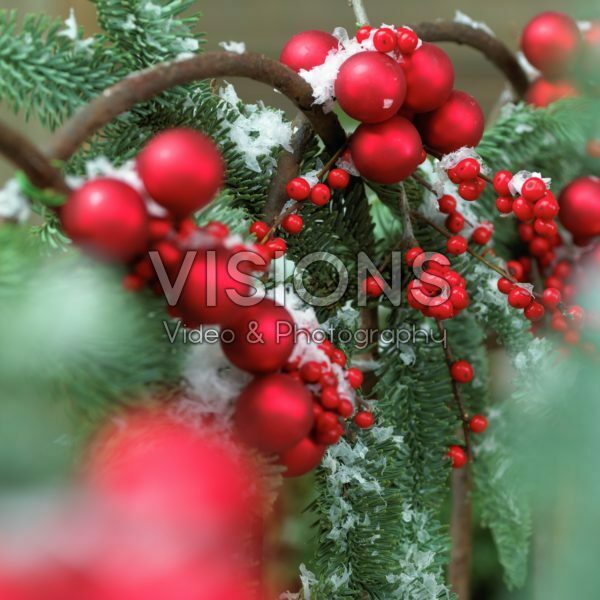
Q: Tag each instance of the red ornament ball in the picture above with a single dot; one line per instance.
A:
(370, 87)
(108, 218)
(580, 207)
(387, 152)
(182, 170)
(458, 122)
(458, 457)
(542, 93)
(307, 50)
(429, 78)
(274, 412)
(262, 338)
(302, 458)
(478, 424)
(461, 371)
(550, 42)
(209, 292)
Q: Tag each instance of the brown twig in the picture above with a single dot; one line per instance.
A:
(144, 85)
(491, 47)
(288, 167)
(459, 568)
(21, 152)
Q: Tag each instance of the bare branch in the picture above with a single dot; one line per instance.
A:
(144, 85)
(359, 12)
(491, 47)
(459, 569)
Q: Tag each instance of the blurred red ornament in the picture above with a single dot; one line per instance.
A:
(386, 152)
(302, 458)
(182, 170)
(209, 292)
(550, 42)
(307, 49)
(107, 218)
(274, 413)
(370, 87)
(263, 338)
(542, 92)
(429, 78)
(580, 207)
(458, 122)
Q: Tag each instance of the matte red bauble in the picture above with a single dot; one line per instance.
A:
(107, 218)
(550, 42)
(182, 170)
(274, 412)
(307, 49)
(458, 122)
(302, 458)
(580, 207)
(386, 152)
(209, 292)
(429, 78)
(370, 87)
(542, 92)
(263, 338)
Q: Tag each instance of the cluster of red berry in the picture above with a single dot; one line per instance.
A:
(439, 292)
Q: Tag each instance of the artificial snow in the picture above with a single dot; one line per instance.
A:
(71, 31)
(345, 162)
(13, 204)
(235, 47)
(257, 130)
(463, 19)
(531, 72)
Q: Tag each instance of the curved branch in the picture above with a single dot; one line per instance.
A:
(142, 86)
(22, 153)
(491, 47)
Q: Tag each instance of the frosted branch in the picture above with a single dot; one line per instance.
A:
(359, 11)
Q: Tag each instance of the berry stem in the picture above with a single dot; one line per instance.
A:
(327, 166)
(456, 393)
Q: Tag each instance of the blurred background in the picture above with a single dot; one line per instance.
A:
(265, 26)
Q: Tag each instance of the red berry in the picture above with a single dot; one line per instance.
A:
(478, 424)
(320, 194)
(407, 40)
(535, 311)
(546, 229)
(260, 229)
(558, 322)
(554, 282)
(546, 208)
(293, 224)
(457, 245)
(447, 204)
(412, 254)
(516, 269)
(539, 246)
(458, 457)
(563, 269)
(326, 420)
(455, 222)
(526, 232)
(519, 297)
(453, 175)
(327, 347)
(338, 179)
(158, 229)
(571, 337)
(461, 371)
(468, 169)
(364, 419)
(504, 204)
(373, 286)
(501, 181)
(423, 156)
(311, 371)
(276, 245)
(133, 283)
(330, 398)
(217, 229)
(331, 436)
(298, 189)
(469, 191)
(355, 377)
(551, 297)
(328, 379)
(384, 40)
(442, 311)
(522, 209)
(345, 408)
(338, 357)
(481, 235)
(576, 314)
(459, 298)
(454, 279)
(481, 184)
(533, 189)
(363, 33)
(505, 285)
